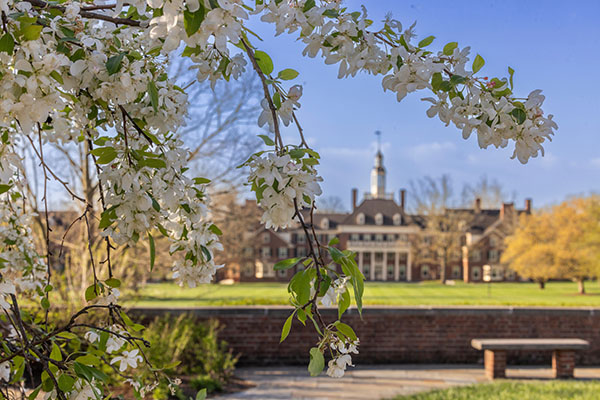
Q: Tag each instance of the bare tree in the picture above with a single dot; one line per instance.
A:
(490, 191)
(221, 124)
(330, 204)
(443, 225)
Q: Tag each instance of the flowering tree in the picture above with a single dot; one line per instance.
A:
(80, 73)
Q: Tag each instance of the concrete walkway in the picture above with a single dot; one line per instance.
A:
(373, 382)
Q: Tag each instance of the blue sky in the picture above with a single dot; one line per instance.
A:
(552, 45)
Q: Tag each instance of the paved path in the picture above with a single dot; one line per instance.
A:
(372, 382)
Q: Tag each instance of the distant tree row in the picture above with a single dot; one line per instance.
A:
(562, 242)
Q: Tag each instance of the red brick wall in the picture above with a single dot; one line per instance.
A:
(405, 335)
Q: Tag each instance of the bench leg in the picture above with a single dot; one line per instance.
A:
(495, 363)
(563, 363)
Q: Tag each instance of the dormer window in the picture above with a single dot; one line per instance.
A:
(397, 219)
(360, 219)
(379, 219)
(324, 223)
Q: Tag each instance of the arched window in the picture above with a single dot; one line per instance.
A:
(397, 219)
(324, 223)
(360, 219)
(379, 219)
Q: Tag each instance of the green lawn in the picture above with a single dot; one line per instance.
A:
(516, 390)
(376, 293)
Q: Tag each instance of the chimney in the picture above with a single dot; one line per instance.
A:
(402, 198)
(528, 206)
(477, 205)
(507, 210)
(354, 198)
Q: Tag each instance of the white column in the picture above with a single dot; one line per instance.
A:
(360, 261)
(409, 266)
(372, 277)
(385, 265)
(396, 266)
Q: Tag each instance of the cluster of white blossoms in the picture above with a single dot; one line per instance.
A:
(152, 192)
(342, 358)
(284, 111)
(279, 181)
(335, 291)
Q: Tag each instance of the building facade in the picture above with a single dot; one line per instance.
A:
(385, 238)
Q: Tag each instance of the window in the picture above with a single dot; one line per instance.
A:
(379, 219)
(248, 251)
(476, 273)
(425, 272)
(282, 252)
(354, 237)
(493, 255)
(282, 273)
(266, 252)
(510, 274)
(266, 237)
(397, 219)
(403, 238)
(360, 219)
(301, 252)
(248, 269)
(402, 272)
(493, 241)
(324, 223)
(301, 239)
(366, 238)
(476, 255)
(456, 272)
(390, 272)
(367, 271)
(379, 237)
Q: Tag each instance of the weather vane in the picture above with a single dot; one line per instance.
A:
(378, 134)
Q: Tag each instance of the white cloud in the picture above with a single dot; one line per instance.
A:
(595, 162)
(428, 151)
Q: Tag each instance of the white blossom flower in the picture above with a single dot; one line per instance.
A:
(5, 371)
(127, 359)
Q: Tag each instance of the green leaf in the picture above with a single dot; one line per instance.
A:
(457, 79)
(287, 74)
(277, 100)
(201, 181)
(333, 241)
(88, 359)
(4, 188)
(201, 395)
(31, 32)
(478, 63)
(267, 140)
(511, 72)
(317, 362)
(427, 41)
(346, 330)
(7, 43)
(45, 303)
(308, 5)
(65, 382)
(286, 264)
(55, 354)
(519, 114)
(436, 81)
(113, 282)
(215, 229)
(152, 163)
(193, 20)
(449, 48)
(287, 326)
(91, 292)
(57, 77)
(88, 373)
(113, 65)
(152, 251)
(106, 155)
(343, 304)
(264, 62)
(153, 92)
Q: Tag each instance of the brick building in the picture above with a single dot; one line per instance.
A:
(381, 232)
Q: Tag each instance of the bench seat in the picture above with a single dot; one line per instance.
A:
(563, 353)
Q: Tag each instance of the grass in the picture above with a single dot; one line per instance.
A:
(516, 390)
(556, 294)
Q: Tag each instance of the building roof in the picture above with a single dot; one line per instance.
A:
(370, 207)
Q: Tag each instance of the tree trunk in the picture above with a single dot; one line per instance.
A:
(542, 284)
(580, 286)
(443, 268)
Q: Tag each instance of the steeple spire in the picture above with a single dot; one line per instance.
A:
(378, 172)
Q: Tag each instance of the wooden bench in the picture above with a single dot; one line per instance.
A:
(563, 353)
